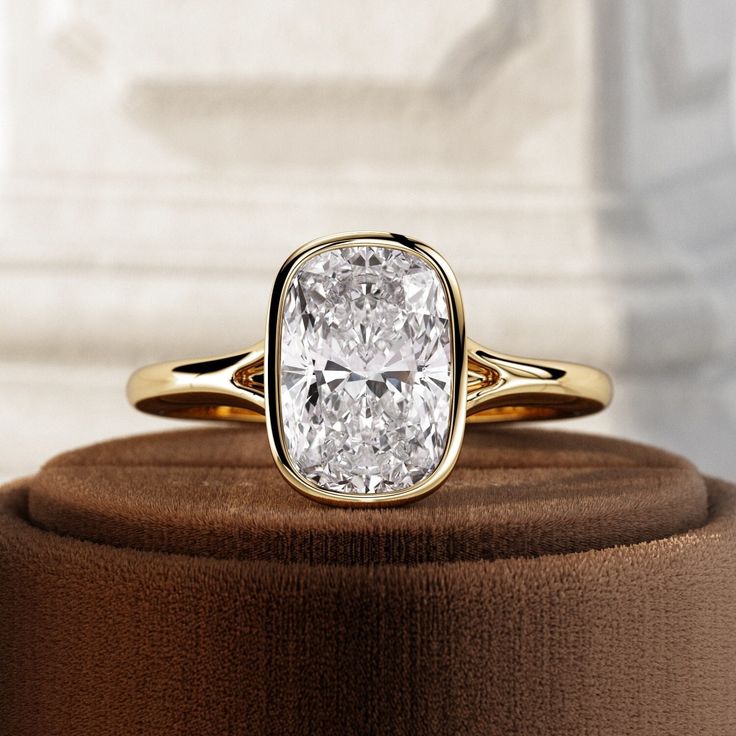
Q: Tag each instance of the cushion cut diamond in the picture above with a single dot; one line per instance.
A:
(365, 369)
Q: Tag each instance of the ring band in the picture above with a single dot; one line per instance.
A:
(501, 388)
(367, 355)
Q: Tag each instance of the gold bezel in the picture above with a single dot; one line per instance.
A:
(273, 361)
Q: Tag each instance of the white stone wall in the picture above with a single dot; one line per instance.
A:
(574, 160)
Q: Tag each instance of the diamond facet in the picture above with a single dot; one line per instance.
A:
(365, 369)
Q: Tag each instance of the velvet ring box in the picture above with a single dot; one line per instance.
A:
(557, 584)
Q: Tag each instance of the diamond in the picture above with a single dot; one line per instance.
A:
(365, 369)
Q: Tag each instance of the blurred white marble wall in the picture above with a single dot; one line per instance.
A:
(574, 159)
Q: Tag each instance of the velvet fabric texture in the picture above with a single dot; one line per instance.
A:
(558, 583)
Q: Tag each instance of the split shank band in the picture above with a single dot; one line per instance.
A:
(500, 388)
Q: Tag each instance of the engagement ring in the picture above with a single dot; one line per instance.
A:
(365, 379)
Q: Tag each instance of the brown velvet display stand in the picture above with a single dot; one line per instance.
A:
(557, 584)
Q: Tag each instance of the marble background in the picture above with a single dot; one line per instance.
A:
(573, 159)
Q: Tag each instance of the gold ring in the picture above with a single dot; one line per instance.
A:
(366, 379)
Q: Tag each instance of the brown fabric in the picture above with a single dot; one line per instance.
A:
(557, 584)
(514, 493)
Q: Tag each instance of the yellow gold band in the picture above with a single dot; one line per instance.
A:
(500, 388)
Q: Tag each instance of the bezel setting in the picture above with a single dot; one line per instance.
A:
(458, 370)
